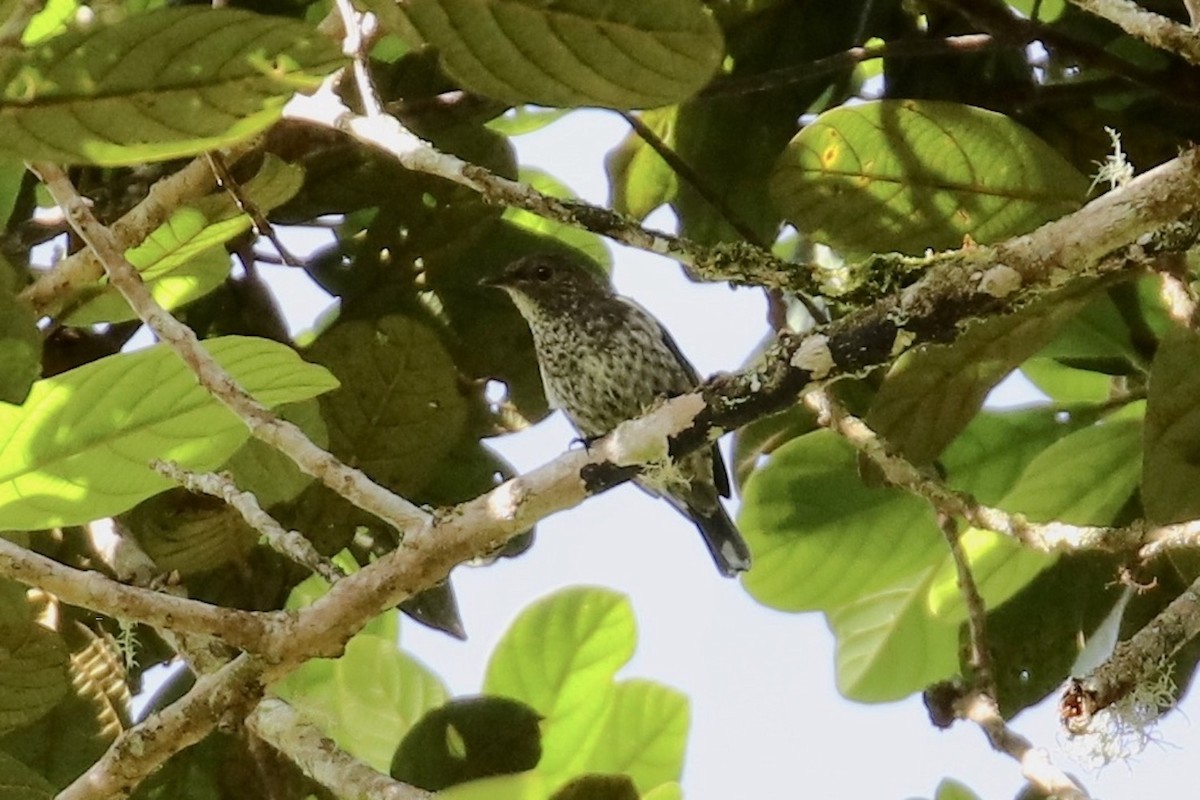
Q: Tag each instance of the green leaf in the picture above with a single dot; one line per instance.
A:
(400, 410)
(598, 787)
(989, 456)
(734, 141)
(79, 448)
(1084, 478)
(889, 645)
(560, 656)
(950, 789)
(467, 739)
(19, 782)
(908, 175)
(1094, 352)
(575, 52)
(189, 281)
(20, 348)
(271, 476)
(184, 258)
(645, 734)
(368, 699)
(764, 436)
(525, 119)
(1033, 651)
(156, 86)
(1065, 384)
(50, 21)
(1171, 450)
(667, 791)
(524, 786)
(639, 180)
(820, 537)
(33, 662)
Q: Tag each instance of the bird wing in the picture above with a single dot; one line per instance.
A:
(720, 473)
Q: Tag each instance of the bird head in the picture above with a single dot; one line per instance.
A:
(550, 280)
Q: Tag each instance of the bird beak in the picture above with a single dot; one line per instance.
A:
(492, 281)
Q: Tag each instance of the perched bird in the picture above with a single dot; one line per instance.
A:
(604, 359)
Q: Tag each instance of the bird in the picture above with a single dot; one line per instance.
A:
(603, 360)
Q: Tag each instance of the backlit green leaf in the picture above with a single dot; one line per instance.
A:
(820, 537)
(80, 446)
(560, 656)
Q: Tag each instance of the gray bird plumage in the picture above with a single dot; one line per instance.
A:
(604, 359)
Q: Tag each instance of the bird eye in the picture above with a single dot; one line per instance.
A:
(542, 273)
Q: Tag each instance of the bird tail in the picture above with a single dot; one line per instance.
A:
(725, 543)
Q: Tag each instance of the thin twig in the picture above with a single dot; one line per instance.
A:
(1179, 296)
(262, 225)
(290, 544)
(354, 45)
(684, 172)
(1044, 537)
(983, 677)
(1000, 20)
(847, 59)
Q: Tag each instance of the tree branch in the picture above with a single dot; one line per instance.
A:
(847, 59)
(1133, 662)
(138, 751)
(1154, 29)
(1036, 766)
(285, 729)
(290, 544)
(727, 261)
(244, 629)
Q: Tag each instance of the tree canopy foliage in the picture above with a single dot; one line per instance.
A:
(932, 195)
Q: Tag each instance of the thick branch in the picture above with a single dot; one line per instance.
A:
(282, 727)
(140, 750)
(1154, 29)
(96, 592)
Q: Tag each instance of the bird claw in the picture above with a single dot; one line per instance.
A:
(586, 441)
